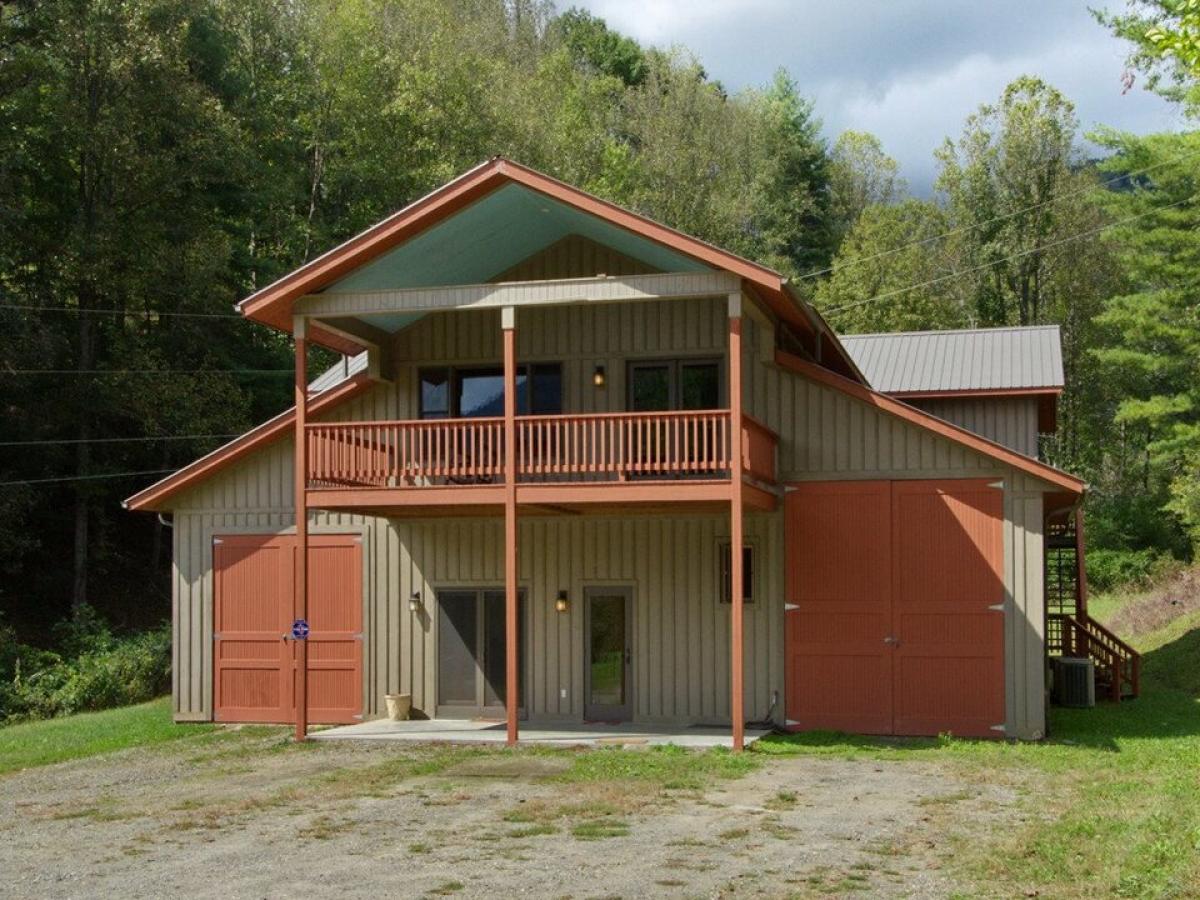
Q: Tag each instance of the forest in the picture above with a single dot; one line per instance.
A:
(161, 159)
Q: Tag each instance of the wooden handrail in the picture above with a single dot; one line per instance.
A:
(758, 449)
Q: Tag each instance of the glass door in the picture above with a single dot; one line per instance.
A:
(472, 652)
(608, 694)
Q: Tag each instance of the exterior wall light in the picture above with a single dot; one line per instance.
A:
(561, 603)
(598, 378)
(414, 602)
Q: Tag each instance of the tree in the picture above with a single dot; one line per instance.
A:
(860, 174)
(595, 47)
(1150, 354)
(1004, 181)
(1166, 46)
(891, 273)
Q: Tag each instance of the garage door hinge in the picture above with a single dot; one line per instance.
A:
(359, 636)
(996, 727)
(216, 636)
(357, 716)
(999, 607)
(790, 606)
(999, 485)
(790, 722)
(218, 541)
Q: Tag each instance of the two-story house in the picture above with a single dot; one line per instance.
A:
(577, 466)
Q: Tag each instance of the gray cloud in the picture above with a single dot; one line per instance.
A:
(908, 70)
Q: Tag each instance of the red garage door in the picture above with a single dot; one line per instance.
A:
(254, 668)
(894, 623)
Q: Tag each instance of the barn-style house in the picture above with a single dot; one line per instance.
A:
(579, 467)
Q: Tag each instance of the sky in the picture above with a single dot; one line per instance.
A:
(909, 71)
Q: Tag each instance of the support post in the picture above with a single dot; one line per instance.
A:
(511, 644)
(300, 559)
(736, 537)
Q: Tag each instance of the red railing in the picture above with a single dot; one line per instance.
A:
(606, 446)
(624, 444)
(391, 454)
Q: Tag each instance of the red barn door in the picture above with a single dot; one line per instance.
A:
(894, 615)
(254, 667)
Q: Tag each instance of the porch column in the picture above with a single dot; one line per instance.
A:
(300, 558)
(508, 326)
(736, 537)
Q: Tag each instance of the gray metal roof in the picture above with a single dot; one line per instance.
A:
(336, 374)
(972, 359)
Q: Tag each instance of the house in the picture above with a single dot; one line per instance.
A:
(555, 419)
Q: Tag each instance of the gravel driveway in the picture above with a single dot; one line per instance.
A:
(250, 817)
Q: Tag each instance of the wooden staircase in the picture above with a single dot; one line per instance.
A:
(1070, 631)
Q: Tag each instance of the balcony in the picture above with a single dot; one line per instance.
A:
(616, 458)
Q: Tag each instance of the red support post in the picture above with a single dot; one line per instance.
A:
(511, 682)
(300, 604)
(736, 536)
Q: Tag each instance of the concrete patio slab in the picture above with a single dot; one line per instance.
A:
(487, 731)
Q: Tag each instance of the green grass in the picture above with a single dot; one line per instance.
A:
(88, 734)
(1121, 789)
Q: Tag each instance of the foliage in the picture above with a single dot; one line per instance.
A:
(94, 670)
(1109, 569)
(861, 175)
(1149, 353)
(1166, 45)
(166, 157)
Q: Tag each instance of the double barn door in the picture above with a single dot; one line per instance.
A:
(255, 663)
(895, 621)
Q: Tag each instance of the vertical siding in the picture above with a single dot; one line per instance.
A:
(1011, 421)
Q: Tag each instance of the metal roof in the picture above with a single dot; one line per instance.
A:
(977, 359)
(339, 372)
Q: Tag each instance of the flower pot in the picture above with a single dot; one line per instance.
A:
(398, 706)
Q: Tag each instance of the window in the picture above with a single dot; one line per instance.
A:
(475, 392)
(675, 384)
(747, 574)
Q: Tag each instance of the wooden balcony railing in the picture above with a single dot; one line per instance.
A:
(560, 448)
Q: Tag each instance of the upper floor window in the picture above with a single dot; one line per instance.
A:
(674, 384)
(478, 391)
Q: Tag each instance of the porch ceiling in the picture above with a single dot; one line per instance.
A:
(490, 236)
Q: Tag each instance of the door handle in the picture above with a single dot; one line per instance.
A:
(893, 640)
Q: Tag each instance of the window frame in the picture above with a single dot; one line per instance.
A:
(453, 373)
(675, 365)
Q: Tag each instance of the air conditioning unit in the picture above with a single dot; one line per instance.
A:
(1074, 682)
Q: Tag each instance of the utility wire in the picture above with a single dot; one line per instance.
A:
(1066, 240)
(120, 312)
(962, 228)
(117, 440)
(84, 477)
(146, 371)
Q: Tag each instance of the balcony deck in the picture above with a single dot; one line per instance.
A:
(564, 462)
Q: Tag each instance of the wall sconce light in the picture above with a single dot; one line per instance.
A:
(414, 602)
(561, 604)
(598, 378)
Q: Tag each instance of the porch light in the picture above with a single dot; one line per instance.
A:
(598, 376)
(414, 602)
(561, 603)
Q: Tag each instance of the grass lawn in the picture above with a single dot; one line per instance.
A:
(71, 737)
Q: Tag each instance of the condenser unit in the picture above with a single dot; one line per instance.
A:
(1074, 682)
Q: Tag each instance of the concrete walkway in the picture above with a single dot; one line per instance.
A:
(478, 731)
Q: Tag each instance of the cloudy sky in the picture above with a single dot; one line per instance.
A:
(909, 71)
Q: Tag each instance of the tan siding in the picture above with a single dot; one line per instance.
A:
(1011, 421)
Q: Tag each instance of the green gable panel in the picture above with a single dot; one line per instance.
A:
(492, 235)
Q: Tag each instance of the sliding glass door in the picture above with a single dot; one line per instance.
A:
(472, 652)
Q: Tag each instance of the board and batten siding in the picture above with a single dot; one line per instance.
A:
(826, 435)
(681, 630)
(1011, 421)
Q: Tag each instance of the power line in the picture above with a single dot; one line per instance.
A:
(962, 228)
(117, 440)
(146, 371)
(84, 477)
(988, 265)
(121, 312)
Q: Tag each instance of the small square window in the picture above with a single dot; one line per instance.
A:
(747, 574)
